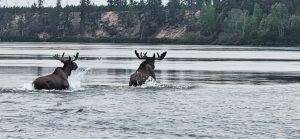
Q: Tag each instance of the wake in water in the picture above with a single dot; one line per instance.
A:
(74, 81)
(78, 77)
(151, 83)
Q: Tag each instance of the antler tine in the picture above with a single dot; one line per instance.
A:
(137, 54)
(76, 56)
(157, 54)
(162, 56)
(145, 55)
(140, 55)
(59, 58)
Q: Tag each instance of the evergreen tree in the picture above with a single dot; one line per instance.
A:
(295, 21)
(207, 20)
(58, 4)
(175, 12)
(40, 6)
(254, 20)
(236, 21)
(110, 4)
(67, 25)
(295, 25)
(278, 18)
(84, 13)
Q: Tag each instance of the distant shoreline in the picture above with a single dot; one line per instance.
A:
(147, 40)
(257, 23)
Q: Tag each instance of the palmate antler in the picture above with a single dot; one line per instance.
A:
(62, 59)
(141, 55)
(144, 55)
(162, 56)
(75, 57)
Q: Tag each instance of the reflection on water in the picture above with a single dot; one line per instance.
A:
(200, 92)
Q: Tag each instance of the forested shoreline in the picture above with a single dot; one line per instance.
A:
(226, 22)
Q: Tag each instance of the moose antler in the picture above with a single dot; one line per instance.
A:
(62, 59)
(162, 56)
(76, 57)
(59, 58)
(141, 55)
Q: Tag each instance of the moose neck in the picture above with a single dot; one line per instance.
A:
(144, 63)
(67, 70)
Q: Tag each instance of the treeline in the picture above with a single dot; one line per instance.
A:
(256, 22)
(260, 22)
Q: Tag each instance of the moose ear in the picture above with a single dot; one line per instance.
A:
(153, 55)
(70, 58)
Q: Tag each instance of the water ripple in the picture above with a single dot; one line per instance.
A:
(200, 92)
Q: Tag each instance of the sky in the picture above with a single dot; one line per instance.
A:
(48, 2)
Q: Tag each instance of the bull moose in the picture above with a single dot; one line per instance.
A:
(58, 80)
(145, 69)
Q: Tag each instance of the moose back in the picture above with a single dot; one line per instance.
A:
(145, 69)
(59, 78)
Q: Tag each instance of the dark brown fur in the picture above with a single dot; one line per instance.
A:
(145, 69)
(59, 78)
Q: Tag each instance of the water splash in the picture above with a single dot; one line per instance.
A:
(151, 83)
(74, 81)
(76, 78)
(27, 86)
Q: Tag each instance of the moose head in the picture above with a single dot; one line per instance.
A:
(69, 64)
(146, 68)
(59, 78)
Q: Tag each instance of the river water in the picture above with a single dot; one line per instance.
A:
(200, 92)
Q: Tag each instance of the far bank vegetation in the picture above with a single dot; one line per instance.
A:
(230, 22)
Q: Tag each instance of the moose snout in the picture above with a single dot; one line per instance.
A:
(74, 67)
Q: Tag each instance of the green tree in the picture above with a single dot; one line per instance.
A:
(84, 12)
(21, 26)
(58, 4)
(67, 24)
(55, 19)
(278, 18)
(175, 12)
(154, 8)
(142, 5)
(40, 6)
(110, 4)
(295, 25)
(193, 4)
(295, 21)
(34, 7)
(236, 21)
(133, 4)
(207, 20)
(121, 3)
(254, 20)
(117, 4)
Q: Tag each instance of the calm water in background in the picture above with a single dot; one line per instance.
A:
(201, 92)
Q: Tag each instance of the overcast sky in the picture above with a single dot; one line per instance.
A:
(48, 2)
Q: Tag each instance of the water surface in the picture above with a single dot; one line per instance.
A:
(200, 92)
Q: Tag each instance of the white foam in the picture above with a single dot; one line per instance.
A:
(27, 86)
(150, 82)
(76, 78)
(74, 81)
